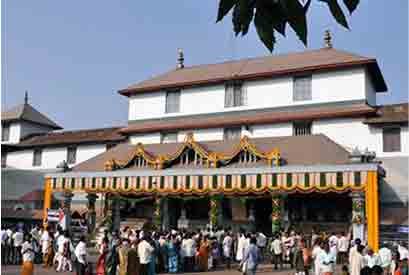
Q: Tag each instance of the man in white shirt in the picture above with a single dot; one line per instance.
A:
(64, 251)
(277, 251)
(261, 243)
(145, 251)
(343, 244)
(188, 251)
(227, 249)
(81, 255)
(385, 256)
(18, 239)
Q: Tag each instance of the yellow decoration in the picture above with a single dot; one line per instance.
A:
(210, 158)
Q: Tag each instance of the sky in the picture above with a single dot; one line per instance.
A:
(73, 56)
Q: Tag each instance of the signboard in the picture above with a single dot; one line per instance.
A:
(53, 215)
(56, 215)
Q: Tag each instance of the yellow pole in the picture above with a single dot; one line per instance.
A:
(375, 212)
(47, 200)
(372, 210)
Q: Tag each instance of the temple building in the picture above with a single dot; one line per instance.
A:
(296, 140)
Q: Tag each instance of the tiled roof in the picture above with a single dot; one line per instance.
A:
(294, 150)
(230, 119)
(73, 137)
(396, 113)
(36, 195)
(28, 113)
(261, 67)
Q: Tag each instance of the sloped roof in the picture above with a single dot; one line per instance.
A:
(16, 182)
(101, 135)
(268, 66)
(28, 113)
(36, 195)
(294, 150)
(396, 113)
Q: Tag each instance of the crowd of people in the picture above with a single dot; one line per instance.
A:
(39, 246)
(143, 252)
(148, 253)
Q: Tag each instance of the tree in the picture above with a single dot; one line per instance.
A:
(271, 16)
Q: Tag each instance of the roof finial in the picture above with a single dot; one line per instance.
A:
(328, 39)
(181, 59)
(26, 98)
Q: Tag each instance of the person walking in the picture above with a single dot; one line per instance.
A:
(251, 258)
(18, 239)
(276, 250)
(81, 255)
(188, 251)
(112, 259)
(228, 249)
(123, 250)
(203, 255)
(343, 245)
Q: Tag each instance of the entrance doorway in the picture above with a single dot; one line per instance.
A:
(262, 213)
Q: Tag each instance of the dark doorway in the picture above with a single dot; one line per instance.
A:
(262, 212)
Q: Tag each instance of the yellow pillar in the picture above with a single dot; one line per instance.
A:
(372, 210)
(47, 200)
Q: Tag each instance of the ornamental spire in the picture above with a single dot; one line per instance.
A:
(26, 98)
(328, 39)
(181, 59)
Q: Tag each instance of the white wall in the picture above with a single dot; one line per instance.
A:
(86, 152)
(147, 138)
(333, 86)
(203, 134)
(51, 157)
(148, 105)
(14, 133)
(272, 130)
(31, 128)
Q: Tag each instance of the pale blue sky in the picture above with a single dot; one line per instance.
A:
(73, 56)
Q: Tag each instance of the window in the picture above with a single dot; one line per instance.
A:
(172, 102)
(391, 139)
(3, 159)
(235, 95)
(71, 155)
(5, 134)
(37, 156)
(169, 137)
(232, 133)
(302, 88)
(302, 128)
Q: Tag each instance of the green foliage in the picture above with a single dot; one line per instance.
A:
(270, 16)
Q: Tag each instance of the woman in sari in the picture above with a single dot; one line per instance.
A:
(27, 252)
(203, 258)
(172, 255)
(103, 251)
(133, 259)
